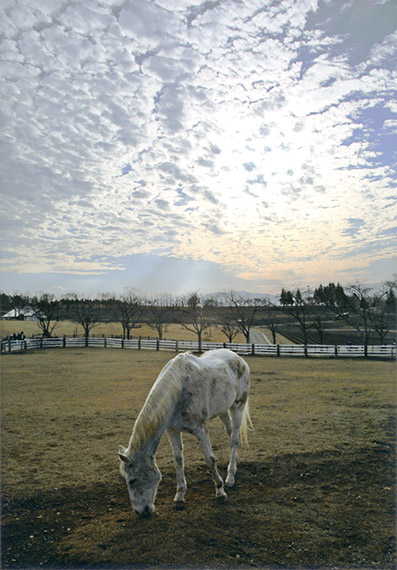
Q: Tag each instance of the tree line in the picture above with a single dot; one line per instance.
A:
(299, 314)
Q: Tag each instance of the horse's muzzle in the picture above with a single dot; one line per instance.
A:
(146, 511)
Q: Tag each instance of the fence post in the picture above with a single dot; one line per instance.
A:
(305, 350)
(157, 344)
(366, 350)
(139, 343)
(64, 341)
(176, 346)
(278, 350)
(336, 351)
(104, 342)
(253, 349)
(122, 342)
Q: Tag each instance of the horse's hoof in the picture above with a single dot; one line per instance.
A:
(179, 505)
(229, 484)
(221, 500)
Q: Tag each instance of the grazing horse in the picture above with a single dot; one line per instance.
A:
(188, 391)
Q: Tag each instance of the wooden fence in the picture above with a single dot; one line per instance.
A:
(374, 351)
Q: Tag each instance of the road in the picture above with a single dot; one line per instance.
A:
(258, 337)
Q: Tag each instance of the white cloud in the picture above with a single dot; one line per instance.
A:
(391, 125)
(244, 129)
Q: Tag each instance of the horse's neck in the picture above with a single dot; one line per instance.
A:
(147, 433)
(147, 447)
(155, 415)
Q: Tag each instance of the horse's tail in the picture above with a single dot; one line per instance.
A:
(246, 425)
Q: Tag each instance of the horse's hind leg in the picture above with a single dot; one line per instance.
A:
(202, 435)
(177, 448)
(229, 430)
(227, 421)
(237, 412)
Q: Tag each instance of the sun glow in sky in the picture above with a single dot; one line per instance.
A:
(178, 145)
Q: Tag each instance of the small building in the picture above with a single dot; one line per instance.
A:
(25, 314)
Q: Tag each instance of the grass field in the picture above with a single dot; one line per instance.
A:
(315, 489)
(68, 328)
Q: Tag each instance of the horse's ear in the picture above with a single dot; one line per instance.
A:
(122, 454)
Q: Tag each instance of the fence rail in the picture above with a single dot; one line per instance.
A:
(374, 351)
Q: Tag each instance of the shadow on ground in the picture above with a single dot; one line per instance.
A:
(331, 509)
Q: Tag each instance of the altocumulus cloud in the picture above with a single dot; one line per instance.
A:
(255, 135)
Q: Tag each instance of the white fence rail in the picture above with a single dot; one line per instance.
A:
(374, 351)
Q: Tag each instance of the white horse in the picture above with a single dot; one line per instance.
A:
(188, 391)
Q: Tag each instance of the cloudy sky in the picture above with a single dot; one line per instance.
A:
(180, 145)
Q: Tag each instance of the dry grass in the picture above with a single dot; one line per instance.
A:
(68, 328)
(315, 488)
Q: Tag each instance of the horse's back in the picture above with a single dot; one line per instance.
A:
(211, 383)
(226, 356)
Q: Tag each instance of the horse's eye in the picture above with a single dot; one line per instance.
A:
(131, 482)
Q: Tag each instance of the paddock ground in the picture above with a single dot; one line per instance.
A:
(315, 489)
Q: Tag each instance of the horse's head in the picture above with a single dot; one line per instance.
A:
(142, 477)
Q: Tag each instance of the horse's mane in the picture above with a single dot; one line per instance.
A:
(160, 399)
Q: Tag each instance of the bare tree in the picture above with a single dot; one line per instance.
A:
(362, 309)
(159, 318)
(299, 305)
(229, 329)
(318, 324)
(86, 313)
(196, 318)
(47, 314)
(384, 315)
(271, 319)
(244, 311)
(130, 308)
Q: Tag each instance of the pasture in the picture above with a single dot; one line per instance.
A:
(68, 328)
(315, 489)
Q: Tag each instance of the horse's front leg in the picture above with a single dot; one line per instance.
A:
(202, 435)
(177, 448)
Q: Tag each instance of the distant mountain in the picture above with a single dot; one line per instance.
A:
(245, 295)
